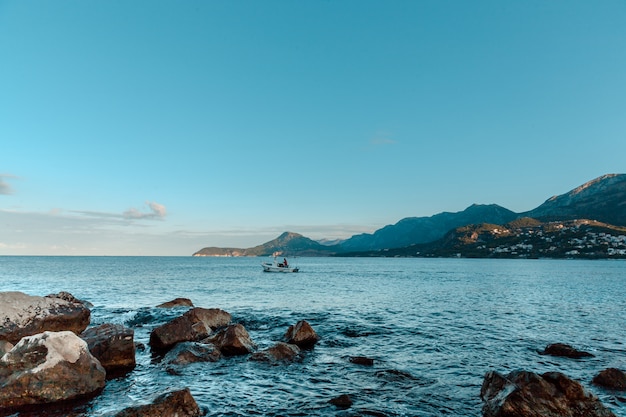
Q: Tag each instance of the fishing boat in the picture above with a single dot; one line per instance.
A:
(278, 266)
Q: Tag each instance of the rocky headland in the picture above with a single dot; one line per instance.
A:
(51, 356)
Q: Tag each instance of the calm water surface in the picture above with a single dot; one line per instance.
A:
(433, 326)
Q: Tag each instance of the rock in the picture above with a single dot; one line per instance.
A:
(190, 352)
(611, 378)
(302, 335)
(280, 352)
(232, 341)
(362, 360)
(64, 295)
(25, 315)
(5, 347)
(48, 368)
(526, 394)
(343, 401)
(194, 325)
(173, 404)
(561, 349)
(113, 346)
(177, 302)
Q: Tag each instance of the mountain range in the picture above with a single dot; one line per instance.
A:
(602, 200)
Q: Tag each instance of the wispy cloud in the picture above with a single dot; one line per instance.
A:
(382, 141)
(5, 187)
(157, 211)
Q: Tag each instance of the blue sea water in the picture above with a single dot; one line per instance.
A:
(433, 326)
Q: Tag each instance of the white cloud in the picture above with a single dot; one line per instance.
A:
(5, 188)
(157, 211)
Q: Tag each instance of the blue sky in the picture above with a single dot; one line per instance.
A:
(161, 127)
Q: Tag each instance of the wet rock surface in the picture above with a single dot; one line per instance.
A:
(611, 378)
(280, 352)
(565, 350)
(173, 404)
(113, 345)
(526, 394)
(194, 325)
(302, 335)
(234, 340)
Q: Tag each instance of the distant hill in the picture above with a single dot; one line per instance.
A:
(602, 200)
(412, 230)
(287, 244)
(522, 238)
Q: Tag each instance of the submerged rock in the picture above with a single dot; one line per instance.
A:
(280, 352)
(48, 368)
(567, 351)
(173, 404)
(233, 340)
(191, 352)
(177, 302)
(526, 394)
(361, 360)
(196, 324)
(113, 346)
(611, 378)
(26, 315)
(302, 335)
(343, 401)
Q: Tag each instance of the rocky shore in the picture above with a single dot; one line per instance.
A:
(51, 356)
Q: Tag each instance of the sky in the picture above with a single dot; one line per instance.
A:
(152, 127)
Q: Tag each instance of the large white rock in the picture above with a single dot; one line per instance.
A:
(46, 368)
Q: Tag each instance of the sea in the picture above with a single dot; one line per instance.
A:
(434, 327)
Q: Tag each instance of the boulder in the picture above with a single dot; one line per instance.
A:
(233, 340)
(176, 403)
(302, 335)
(611, 378)
(194, 325)
(177, 302)
(48, 368)
(567, 351)
(526, 394)
(280, 352)
(26, 315)
(190, 352)
(113, 346)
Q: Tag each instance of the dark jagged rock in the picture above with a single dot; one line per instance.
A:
(567, 351)
(526, 394)
(177, 302)
(362, 360)
(234, 340)
(26, 315)
(280, 352)
(173, 404)
(611, 378)
(302, 335)
(196, 324)
(343, 401)
(113, 346)
(47, 368)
